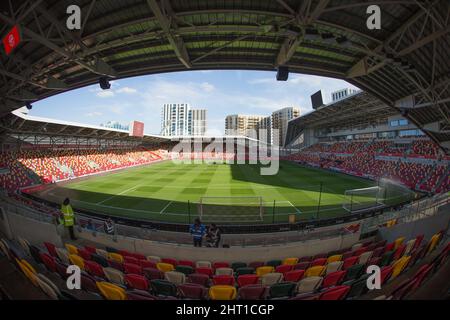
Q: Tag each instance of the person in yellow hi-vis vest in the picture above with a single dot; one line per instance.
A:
(68, 217)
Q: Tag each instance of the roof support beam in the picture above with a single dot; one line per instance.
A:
(177, 43)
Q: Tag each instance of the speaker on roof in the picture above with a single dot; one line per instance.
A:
(104, 83)
(317, 100)
(282, 73)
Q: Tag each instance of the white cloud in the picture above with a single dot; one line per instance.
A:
(127, 90)
(207, 87)
(93, 114)
(105, 94)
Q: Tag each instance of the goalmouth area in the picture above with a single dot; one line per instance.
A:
(220, 193)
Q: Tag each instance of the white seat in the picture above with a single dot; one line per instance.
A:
(309, 284)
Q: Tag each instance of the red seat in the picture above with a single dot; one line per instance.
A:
(88, 283)
(247, 279)
(252, 292)
(389, 247)
(418, 241)
(86, 255)
(294, 275)
(359, 251)
(139, 256)
(153, 273)
(136, 281)
(140, 295)
(421, 274)
(90, 249)
(305, 259)
(192, 291)
(205, 270)
(170, 261)
(374, 261)
(283, 268)
(223, 280)
(51, 248)
(302, 265)
(335, 293)
(319, 256)
(349, 262)
(48, 261)
(385, 273)
(94, 269)
(130, 259)
(186, 263)
(132, 268)
(319, 262)
(115, 264)
(378, 252)
(147, 264)
(199, 278)
(399, 252)
(347, 254)
(125, 253)
(333, 279)
(217, 265)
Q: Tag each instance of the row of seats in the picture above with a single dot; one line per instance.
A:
(118, 274)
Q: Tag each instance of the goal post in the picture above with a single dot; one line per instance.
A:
(364, 198)
(231, 209)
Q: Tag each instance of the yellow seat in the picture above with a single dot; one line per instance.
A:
(111, 291)
(433, 242)
(77, 260)
(336, 257)
(260, 271)
(290, 261)
(391, 223)
(222, 292)
(71, 248)
(30, 273)
(399, 266)
(315, 271)
(115, 256)
(165, 267)
(398, 242)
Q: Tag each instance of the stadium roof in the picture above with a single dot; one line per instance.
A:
(405, 63)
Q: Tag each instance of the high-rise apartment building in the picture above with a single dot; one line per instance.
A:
(341, 94)
(198, 118)
(178, 119)
(242, 125)
(279, 123)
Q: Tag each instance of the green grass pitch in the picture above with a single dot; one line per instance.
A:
(170, 192)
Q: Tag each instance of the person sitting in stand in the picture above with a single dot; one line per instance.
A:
(213, 236)
(108, 226)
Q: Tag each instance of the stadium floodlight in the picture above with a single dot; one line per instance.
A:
(104, 83)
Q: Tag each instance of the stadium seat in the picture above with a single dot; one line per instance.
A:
(94, 269)
(100, 260)
(192, 291)
(319, 256)
(364, 257)
(63, 256)
(132, 268)
(398, 253)
(175, 277)
(48, 261)
(354, 272)
(205, 270)
(102, 253)
(224, 271)
(318, 262)
(146, 264)
(281, 290)
(377, 252)
(90, 249)
(273, 263)
(386, 258)
(111, 292)
(334, 258)
(357, 287)
(305, 259)
(255, 264)
(385, 274)
(260, 271)
(294, 275)
(198, 278)
(217, 265)
(418, 241)
(237, 265)
(302, 265)
(114, 276)
(244, 270)
(203, 264)
(222, 293)
(187, 270)
(316, 271)
(48, 287)
(165, 267)
(140, 295)
(432, 244)
(399, 266)
(153, 273)
(335, 293)
(409, 246)
(186, 263)
(334, 266)
(374, 261)
(310, 284)
(34, 252)
(403, 289)
(247, 279)
(350, 261)
(284, 268)
(86, 255)
(154, 259)
(398, 242)
(115, 257)
(77, 260)
(333, 279)
(113, 250)
(170, 261)
(389, 247)
(28, 271)
(163, 288)
(71, 249)
(130, 259)
(269, 279)
(61, 269)
(290, 261)
(51, 248)
(89, 284)
(116, 265)
(252, 292)
(223, 280)
(136, 281)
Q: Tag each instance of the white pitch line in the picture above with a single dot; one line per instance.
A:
(161, 212)
(119, 194)
(296, 209)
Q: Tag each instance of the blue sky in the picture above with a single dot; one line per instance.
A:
(220, 92)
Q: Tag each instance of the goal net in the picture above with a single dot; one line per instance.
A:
(365, 198)
(231, 209)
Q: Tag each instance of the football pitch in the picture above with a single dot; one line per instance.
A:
(170, 192)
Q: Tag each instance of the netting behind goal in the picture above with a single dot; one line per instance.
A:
(365, 198)
(231, 209)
